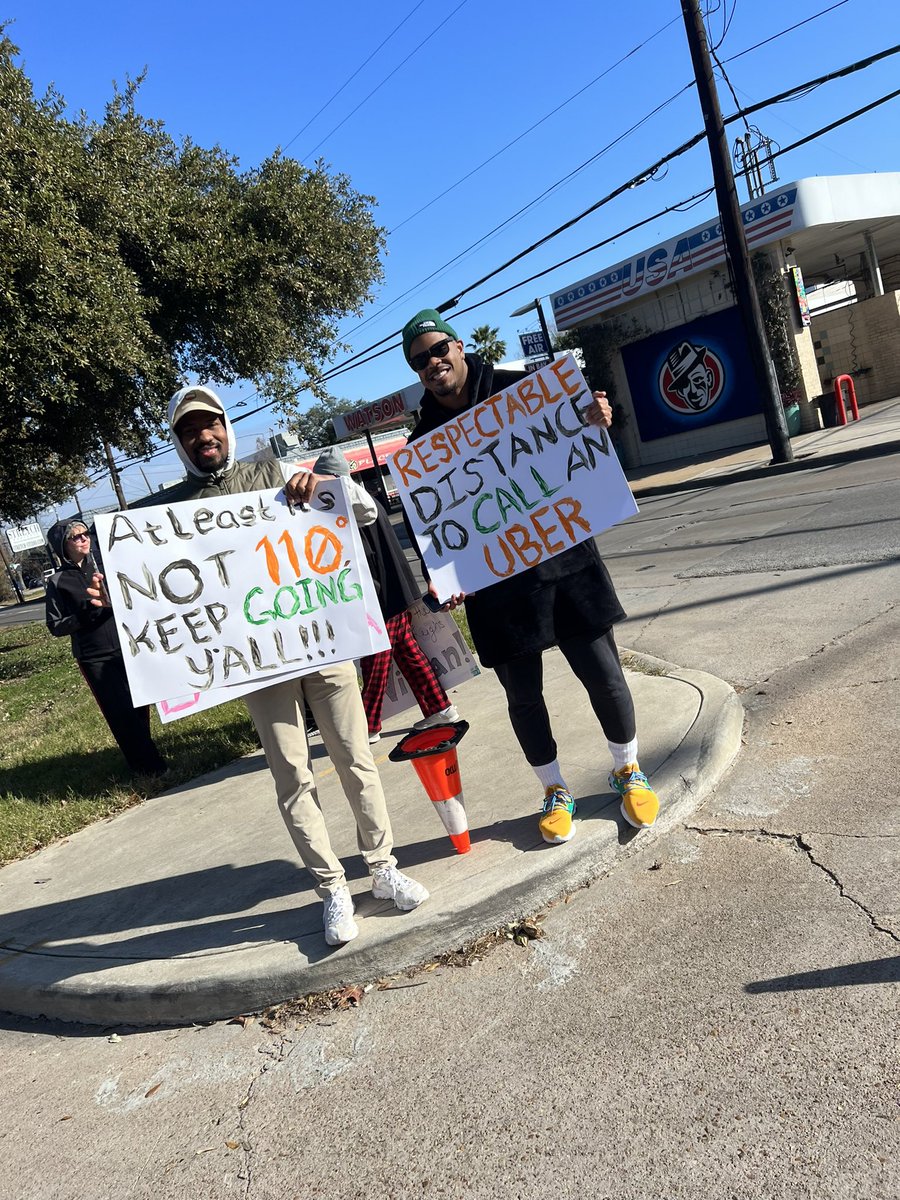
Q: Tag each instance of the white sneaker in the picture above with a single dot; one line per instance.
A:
(445, 717)
(390, 884)
(338, 917)
(373, 738)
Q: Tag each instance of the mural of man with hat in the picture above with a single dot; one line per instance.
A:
(567, 601)
(689, 373)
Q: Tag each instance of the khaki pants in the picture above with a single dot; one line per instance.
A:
(334, 698)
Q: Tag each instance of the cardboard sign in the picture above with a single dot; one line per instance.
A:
(446, 649)
(219, 596)
(513, 481)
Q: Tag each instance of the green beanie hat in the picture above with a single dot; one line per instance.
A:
(429, 320)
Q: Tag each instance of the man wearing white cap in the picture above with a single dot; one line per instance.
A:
(204, 439)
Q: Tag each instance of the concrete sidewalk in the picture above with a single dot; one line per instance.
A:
(876, 433)
(192, 906)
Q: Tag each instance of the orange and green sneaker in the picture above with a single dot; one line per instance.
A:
(556, 824)
(640, 805)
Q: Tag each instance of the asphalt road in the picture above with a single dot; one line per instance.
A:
(21, 614)
(716, 1018)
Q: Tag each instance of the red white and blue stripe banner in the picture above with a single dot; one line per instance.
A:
(765, 221)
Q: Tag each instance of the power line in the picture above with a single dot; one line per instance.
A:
(802, 88)
(687, 202)
(353, 75)
(445, 17)
(590, 84)
(680, 206)
(463, 253)
(790, 29)
(680, 150)
(521, 211)
(362, 357)
(840, 121)
(559, 183)
(552, 113)
(724, 74)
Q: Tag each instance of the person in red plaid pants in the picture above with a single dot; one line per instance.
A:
(397, 590)
(415, 669)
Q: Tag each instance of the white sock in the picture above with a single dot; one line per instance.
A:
(623, 753)
(550, 775)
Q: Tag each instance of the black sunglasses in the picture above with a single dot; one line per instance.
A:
(420, 361)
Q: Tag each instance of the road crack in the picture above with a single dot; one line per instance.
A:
(275, 1053)
(799, 841)
(654, 617)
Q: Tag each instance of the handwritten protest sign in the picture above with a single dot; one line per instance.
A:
(226, 594)
(513, 481)
(446, 649)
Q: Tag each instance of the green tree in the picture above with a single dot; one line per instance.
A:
(778, 326)
(599, 345)
(313, 427)
(131, 262)
(486, 343)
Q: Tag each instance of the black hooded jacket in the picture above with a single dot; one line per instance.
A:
(569, 595)
(69, 609)
(395, 584)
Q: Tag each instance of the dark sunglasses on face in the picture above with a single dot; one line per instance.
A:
(420, 361)
(77, 537)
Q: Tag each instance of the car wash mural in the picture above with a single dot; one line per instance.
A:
(694, 375)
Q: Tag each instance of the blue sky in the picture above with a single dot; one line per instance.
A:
(428, 94)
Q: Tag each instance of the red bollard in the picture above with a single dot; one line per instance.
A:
(840, 411)
(432, 753)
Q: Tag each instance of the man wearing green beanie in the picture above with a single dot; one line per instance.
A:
(567, 601)
(429, 320)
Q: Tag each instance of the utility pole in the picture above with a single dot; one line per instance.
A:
(733, 236)
(11, 572)
(114, 475)
(538, 308)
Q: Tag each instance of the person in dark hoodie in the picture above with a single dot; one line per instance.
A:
(567, 601)
(397, 590)
(203, 436)
(95, 645)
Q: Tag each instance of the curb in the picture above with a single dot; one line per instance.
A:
(200, 988)
(764, 471)
(688, 775)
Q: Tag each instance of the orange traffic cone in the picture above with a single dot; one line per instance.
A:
(432, 753)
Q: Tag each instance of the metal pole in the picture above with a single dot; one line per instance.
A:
(379, 478)
(20, 599)
(114, 475)
(872, 260)
(544, 329)
(733, 236)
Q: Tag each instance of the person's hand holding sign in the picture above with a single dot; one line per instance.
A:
(97, 592)
(599, 411)
(301, 486)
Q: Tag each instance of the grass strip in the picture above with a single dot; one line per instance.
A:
(60, 768)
